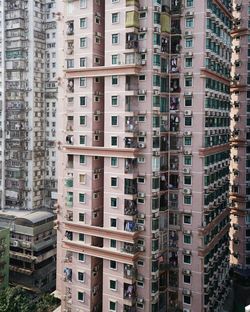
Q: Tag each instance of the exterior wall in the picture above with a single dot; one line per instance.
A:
(4, 257)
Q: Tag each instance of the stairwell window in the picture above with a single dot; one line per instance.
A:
(189, 22)
(83, 42)
(82, 198)
(115, 18)
(83, 82)
(115, 59)
(189, 3)
(81, 296)
(186, 299)
(83, 4)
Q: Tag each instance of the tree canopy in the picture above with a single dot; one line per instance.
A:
(16, 299)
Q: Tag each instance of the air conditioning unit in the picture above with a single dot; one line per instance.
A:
(143, 50)
(141, 248)
(187, 232)
(186, 292)
(140, 227)
(140, 278)
(142, 92)
(15, 243)
(188, 33)
(186, 310)
(141, 194)
(188, 93)
(187, 272)
(187, 112)
(143, 62)
(142, 133)
(157, 29)
(143, 8)
(156, 153)
(187, 152)
(156, 132)
(187, 191)
(157, 8)
(187, 133)
(140, 300)
(141, 216)
(186, 170)
(143, 29)
(142, 145)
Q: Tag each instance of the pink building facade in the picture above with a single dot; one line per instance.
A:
(143, 162)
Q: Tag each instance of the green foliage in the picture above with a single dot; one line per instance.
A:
(16, 299)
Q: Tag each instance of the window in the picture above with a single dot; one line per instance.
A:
(83, 4)
(114, 182)
(83, 81)
(114, 161)
(187, 180)
(83, 22)
(187, 219)
(114, 100)
(115, 59)
(83, 62)
(81, 217)
(187, 259)
(187, 160)
(83, 101)
(115, 38)
(114, 80)
(188, 62)
(82, 120)
(82, 159)
(141, 118)
(187, 141)
(83, 42)
(187, 239)
(115, 18)
(113, 222)
(70, 63)
(187, 279)
(81, 237)
(112, 306)
(188, 81)
(113, 243)
(81, 276)
(113, 284)
(187, 200)
(186, 299)
(188, 121)
(188, 101)
(114, 141)
(189, 22)
(114, 120)
(189, 42)
(113, 202)
(82, 139)
(81, 296)
(112, 265)
(81, 197)
(189, 3)
(81, 257)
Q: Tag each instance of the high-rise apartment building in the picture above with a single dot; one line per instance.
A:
(143, 138)
(28, 97)
(27, 138)
(240, 158)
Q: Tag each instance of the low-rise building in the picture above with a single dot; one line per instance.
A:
(32, 249)
(4, 257)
